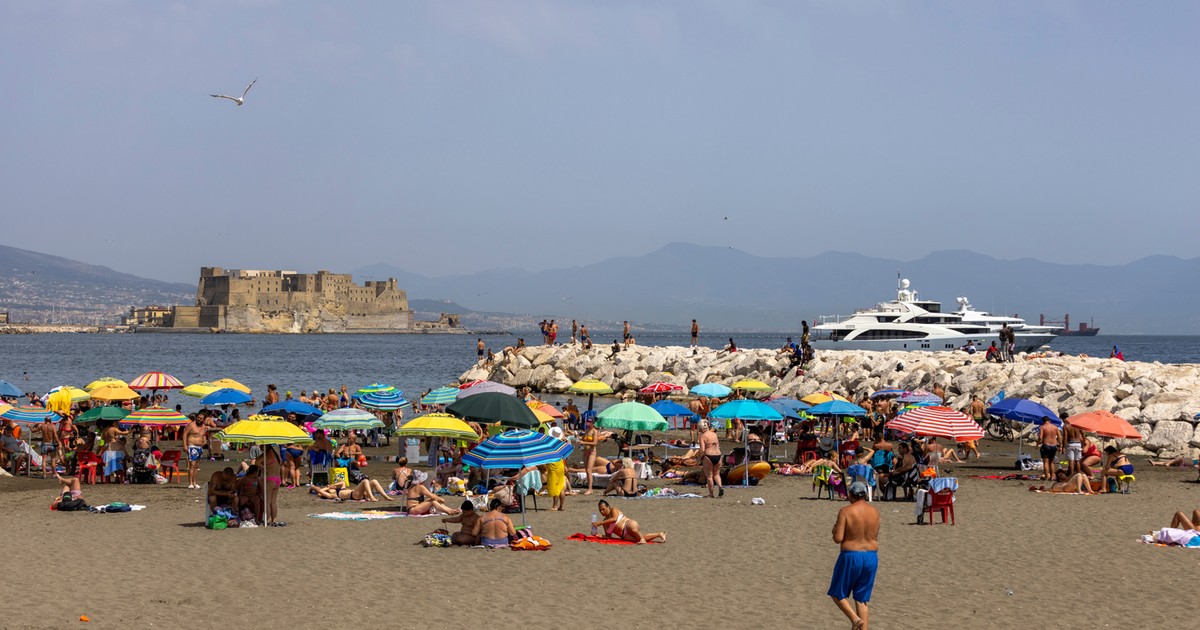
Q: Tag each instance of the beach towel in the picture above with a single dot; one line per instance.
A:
(1172, 537)
(602, 540)
(366, 515)
(664, 493)
(115, 508)
(1044, 490)
(1012, 477)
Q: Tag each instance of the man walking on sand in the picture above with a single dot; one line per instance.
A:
(857, 531)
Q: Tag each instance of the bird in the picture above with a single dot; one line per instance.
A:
(237, 99)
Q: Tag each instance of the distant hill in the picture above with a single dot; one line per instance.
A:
(40, 288)
(728, 288)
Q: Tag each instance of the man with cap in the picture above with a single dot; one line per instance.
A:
(857, 532)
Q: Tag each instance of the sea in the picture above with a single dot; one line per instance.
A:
(413, 363)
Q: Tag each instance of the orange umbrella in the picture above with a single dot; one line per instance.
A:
(1105, 423)
(546, 408)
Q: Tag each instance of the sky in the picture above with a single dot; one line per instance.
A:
(454, 137)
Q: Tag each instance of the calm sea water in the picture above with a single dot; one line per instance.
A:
(411, 362)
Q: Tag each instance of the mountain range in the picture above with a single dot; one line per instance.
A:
(722, 287)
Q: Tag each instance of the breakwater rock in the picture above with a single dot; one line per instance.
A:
(1160, 400)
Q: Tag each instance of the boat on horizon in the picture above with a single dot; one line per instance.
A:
(910, 323)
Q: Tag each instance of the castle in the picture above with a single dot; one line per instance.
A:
(275, 301)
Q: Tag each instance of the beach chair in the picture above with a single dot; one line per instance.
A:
(807, 449)
(846, 453)
(824, 481)
(941, 501)
(865, 474)
(318, 464)
(87, 464)
(168, 465)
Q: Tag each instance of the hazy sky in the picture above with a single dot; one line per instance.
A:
(457, 136)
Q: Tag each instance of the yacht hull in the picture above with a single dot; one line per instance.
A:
(947, 343)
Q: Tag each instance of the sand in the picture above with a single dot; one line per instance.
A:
(1014, 558)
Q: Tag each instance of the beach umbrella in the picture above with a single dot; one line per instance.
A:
(4, 407)
(744, 410)
(155, 417)
(491, 407)
(440, 425)
(301, 409)
(817, 398)
(938, 421)
(346, 419)
(109, 393)
(383, 400)
(8, 390)
(632, 416)
(200, 390)
(264, 429)
(440, 396)
(470, 384)
(103, 412)
(752, 385)
(546, 408)
(231, 384)
(661, 387)
(155, 381)
(672, 409)
(711, 390)
(29, 414)
(591, 387)
(485, 387)
(919, 396)
(61, 398)
(517, 449)
(105, 381)
(376, 388)
(1023, 410)
(789, 407)
(887, 393)
(1105, 423)
(836, 408)
(226, 396)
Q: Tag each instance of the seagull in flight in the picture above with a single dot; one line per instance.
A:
(237, 99)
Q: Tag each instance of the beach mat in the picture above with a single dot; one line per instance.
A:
(369, 515)
(602, 540)
(1012, 477)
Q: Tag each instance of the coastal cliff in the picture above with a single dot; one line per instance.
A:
(1159, 400)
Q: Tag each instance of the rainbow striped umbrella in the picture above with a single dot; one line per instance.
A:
(937, 421)
(383, 400)
(346, 419)
(155, 381)
(155, 417)
(29, 414)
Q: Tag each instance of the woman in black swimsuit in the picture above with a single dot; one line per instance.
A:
(710, 449)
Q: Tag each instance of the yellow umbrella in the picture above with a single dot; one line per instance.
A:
(542, 416)
(264, 429)
(105, 381)
(591, 386)
(441, 425)
(114, 392)
(200, 390)
(752, 385)
(822, 397)
(231, 384)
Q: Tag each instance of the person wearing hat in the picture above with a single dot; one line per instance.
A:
(856, 531)
(419, 500)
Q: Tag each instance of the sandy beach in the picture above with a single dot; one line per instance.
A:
(1015, 557)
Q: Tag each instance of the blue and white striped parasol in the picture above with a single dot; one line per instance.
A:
(517, 449)
(346, 419)
(440, 396)
(383, 401)
(30, 415)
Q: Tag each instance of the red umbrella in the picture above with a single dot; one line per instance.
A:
(470, 384)
(661, 387)
(1105, 423)
(937, 421)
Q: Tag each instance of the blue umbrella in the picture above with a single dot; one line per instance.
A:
(712, 390)
(672, 409)
(837, 408)
(789, 407)
(517, 449)
(292, 406)
(745, 410)
(887, 393)
(226, 396)
(1023, 410)
(8, 390)
(383, 401)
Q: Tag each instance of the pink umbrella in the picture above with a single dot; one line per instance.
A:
(661, 387)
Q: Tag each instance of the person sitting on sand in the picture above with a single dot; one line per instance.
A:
(1181, 521)
(1068, 484)
(624, 481)
(468, 517)
(249, 491)
(616, 525)
(364, 491)
(222, 489)
(494, 529)
(419, 500)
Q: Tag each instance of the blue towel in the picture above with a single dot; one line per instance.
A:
(937, 484)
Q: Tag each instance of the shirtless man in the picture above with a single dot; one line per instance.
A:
(574, 331)
(584, 336)
(695, 334)
(1073, 436)
(857, 532)
(1048, 437)
(195, 434)
(479, 349)
(222, 489)
(468, 517)
(52, 447)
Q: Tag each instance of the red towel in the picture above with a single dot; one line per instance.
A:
(602, 540)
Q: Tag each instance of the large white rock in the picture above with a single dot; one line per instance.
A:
(1169, 433)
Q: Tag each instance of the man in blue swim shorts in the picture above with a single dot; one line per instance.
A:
(857, 531)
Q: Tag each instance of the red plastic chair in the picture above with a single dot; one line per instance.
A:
(168, 462)
(942, 501)
(86, 463)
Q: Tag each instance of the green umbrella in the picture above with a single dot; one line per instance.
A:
(632, 416)
(491, 407)
(105, 412)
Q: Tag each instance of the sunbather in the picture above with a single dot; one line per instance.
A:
(1181, 521)
(495, 528)
(616, 525)
(1078, 483)
(364, 491)
(419, 500)
(624, 481)
(70, 496)
(688, 460)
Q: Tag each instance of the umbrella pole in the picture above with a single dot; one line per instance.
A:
(745, 455)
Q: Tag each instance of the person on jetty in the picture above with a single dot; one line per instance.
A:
(856, 531)
(710, 448)
(616, 525)
(494, 529)
(467, 517)
(695, 334)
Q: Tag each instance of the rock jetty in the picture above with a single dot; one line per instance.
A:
(1160, 400)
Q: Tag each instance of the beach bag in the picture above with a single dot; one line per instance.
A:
(339, 474)
(216, 521)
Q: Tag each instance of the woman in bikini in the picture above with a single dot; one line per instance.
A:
(1068, 484)
(419, 500)
(589, 442)
(494, 529)
(710, 450)
(293, 461)
(624, 481)
(1117, 466)
(1091, 456)
(270, 460)
(364, 491)
(617, 525)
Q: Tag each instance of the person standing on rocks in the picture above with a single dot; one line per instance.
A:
(625, 333)
(553, 329)
(584, 337)
(695, 334)
(574, 331)
(479, 349)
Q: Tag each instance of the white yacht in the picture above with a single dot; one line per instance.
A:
(910, 323)
(972, 316)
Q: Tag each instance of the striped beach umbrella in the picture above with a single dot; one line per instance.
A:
(442, 425)
(470, 384)
(376, 388)
(155, 417)
(29, 414)
(939, 422)
(155, 381)
(383, 400)
(347, 419)
(517, 449)
(105, 381)
(440, 396)
(661, 387)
